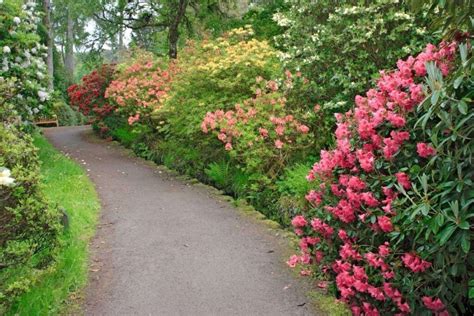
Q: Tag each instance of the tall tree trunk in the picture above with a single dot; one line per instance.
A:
(120, 39)
(173, 33)
(49, 42)
(121, 8)
(69, 58)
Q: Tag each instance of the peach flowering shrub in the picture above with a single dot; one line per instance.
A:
(140, 88)
(390, 223)
(215, 74)
(262, 134)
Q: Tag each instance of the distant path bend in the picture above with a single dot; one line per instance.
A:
(165, 247)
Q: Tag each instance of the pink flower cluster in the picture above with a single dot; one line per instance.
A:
(436, 305)
(142, 85)
(415, 263)
(368, 137)
(265, 111)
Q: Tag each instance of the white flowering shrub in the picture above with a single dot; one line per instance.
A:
(341, 45)
(5, 177)
(22, 61)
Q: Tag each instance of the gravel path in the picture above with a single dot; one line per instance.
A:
(165, 247)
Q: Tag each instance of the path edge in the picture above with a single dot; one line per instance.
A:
(321, 302)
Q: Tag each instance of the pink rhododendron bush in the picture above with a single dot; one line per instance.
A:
(141, 87)
(263, 134)
(390, 218)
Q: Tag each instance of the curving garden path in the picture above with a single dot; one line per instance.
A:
(165, 247)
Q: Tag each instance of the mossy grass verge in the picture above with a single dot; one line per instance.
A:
(66, 184)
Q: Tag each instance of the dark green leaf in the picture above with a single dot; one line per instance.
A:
(446, 234)
(462, 106)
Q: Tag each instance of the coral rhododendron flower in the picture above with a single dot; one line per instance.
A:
(278, 144)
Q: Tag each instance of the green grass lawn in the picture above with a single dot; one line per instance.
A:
(65, 184)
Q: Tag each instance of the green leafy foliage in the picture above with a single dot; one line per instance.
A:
(65, 183)
(393, 209)
(344, 44)
(30, 228)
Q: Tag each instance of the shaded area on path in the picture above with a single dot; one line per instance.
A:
(165, 247)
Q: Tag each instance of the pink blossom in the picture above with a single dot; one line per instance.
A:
(370, 310)
(376, 293)
(396, 120)
(384, 250)
(303, 129)
(359, 273)
(278, 144)
(133, 119)
(299, 221)
(280, 130)
(348, 252)
(385, 223)
(294, 259)
(369, 199)
(403, 180)
(425, 150)
(356, 310)
(263, 132)
(324, 229)
(399, 137)
(318, 256)
(314, 197)
(366, 160)
(433, 303)
(388, 275)
(343, 235)
(228, 146)
(366, 129)
(360, 286)
(344, 211)
(374, 260)
(415, 263)
(356, 183)
(391, 147)
(342, 131)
